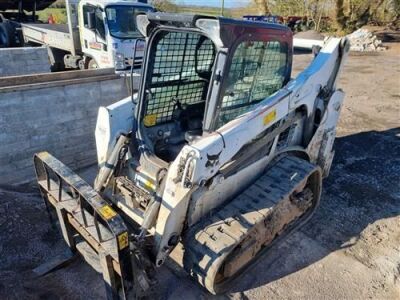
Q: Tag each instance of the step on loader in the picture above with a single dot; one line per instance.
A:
(219, 155)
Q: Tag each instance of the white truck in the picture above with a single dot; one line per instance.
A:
(99, 34)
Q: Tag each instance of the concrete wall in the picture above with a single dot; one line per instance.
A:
(58, 117)
(21, 61)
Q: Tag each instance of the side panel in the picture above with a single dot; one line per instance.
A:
(112, 120)
(205, 199)
(53, 35)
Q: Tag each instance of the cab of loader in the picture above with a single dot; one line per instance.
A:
(200, 73)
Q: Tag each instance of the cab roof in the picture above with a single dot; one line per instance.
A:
(225, 30)
(105, 3)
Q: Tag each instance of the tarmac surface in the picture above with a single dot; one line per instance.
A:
(349, 250)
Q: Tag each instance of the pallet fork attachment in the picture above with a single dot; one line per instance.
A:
(86, 219)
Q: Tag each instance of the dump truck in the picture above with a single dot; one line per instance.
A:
(98, 34)
(220, 154)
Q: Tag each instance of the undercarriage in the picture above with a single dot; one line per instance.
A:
(222, 246)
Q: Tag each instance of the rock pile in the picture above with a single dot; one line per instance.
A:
(364, 40)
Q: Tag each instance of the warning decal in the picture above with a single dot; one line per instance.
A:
(123, 240)
(269, 117)
(107, 212)
(150, 120)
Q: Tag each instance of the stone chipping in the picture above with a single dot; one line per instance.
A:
(362, 40)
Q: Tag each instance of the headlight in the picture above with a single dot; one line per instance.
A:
(119, 61)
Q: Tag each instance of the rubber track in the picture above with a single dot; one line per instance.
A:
(208, 243)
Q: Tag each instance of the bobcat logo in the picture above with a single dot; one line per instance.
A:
(212, 159)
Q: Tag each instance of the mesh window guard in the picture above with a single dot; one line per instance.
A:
(180, 74)
(257, 71)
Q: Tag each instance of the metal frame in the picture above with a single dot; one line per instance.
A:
(81, 210)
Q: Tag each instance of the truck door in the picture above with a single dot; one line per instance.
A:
(93, 37)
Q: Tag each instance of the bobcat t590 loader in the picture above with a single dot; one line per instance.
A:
(219, 155)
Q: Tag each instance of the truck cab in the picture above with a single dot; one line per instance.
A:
(108, 33)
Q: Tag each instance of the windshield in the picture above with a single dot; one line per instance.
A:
(121, 20)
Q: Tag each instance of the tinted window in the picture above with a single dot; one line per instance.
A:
(100, 24)
(257, 71)
(122, 20)
(86, 9)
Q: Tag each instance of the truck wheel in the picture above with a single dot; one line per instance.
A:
(84, 63)
(81, 64)
(93, 64)
(56, 58)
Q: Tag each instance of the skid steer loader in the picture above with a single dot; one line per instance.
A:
(219, 155)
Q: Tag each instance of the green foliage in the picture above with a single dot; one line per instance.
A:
(344, 15)
(59, 15)
(323, 15)
(352, 14)
(165, 6)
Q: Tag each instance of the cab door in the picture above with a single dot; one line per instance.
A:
(93, 37)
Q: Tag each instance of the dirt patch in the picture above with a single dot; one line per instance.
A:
(309, 34)
(27, 240)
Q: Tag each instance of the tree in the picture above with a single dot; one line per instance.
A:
(347, 15)
(353, 14)
(263, 7)
(313, 11)
(341, 19)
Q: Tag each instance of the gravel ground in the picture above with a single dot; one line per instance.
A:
(349, 250)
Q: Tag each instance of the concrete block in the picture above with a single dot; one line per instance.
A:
(18, 61)
(60, 120)
(9, 98)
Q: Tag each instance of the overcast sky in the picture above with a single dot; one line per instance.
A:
(216, 3)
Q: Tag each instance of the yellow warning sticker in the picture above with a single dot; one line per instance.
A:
(149, 185)
(150, 120)
(123, 240)
(107, 212)
(269, 117)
